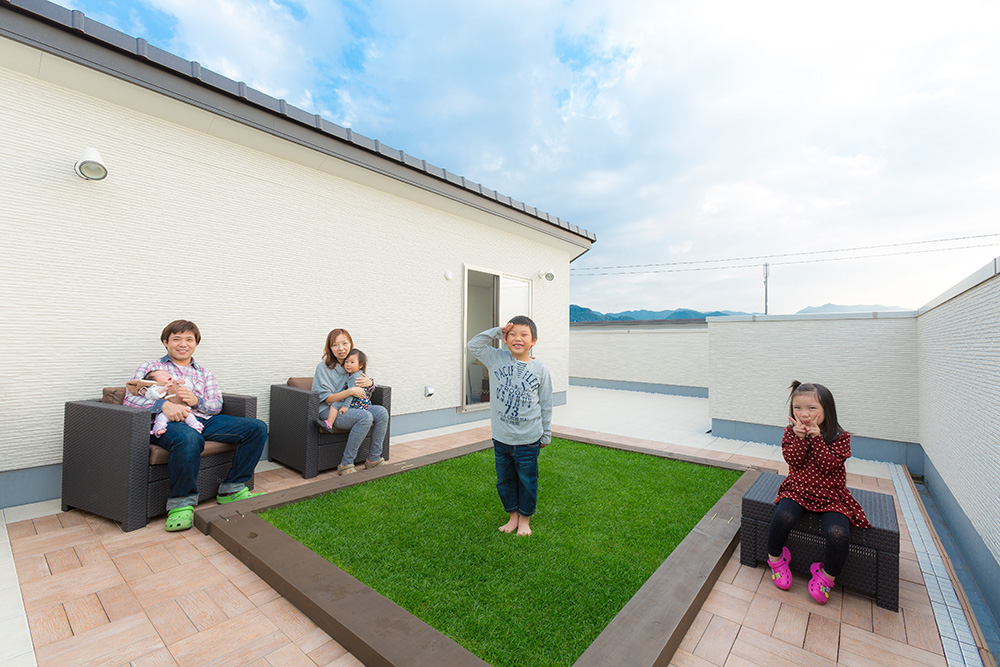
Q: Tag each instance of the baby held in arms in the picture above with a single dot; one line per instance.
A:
(160, 384)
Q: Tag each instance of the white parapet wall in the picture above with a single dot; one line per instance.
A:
(958, 354)
(665, 357)
(867, 360)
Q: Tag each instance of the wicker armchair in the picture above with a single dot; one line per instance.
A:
(111, 469)
(294, 438)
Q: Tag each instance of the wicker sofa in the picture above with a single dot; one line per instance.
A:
(294, 438)
(872, 565)
(111, 469)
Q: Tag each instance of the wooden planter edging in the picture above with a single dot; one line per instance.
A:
(645, 633)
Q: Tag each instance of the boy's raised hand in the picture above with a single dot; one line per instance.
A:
(506, 329)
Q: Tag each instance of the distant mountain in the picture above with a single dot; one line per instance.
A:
(581, 314)
(644, 314)
(834, 308)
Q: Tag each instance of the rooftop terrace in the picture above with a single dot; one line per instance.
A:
(74, 589)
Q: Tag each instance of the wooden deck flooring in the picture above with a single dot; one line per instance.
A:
(96, 596)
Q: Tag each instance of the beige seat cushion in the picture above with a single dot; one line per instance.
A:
(159, 456)
(113, 395)
(301, 383)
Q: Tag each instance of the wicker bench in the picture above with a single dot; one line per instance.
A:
(872, 565)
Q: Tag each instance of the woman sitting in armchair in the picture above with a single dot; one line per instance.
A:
(330, 381)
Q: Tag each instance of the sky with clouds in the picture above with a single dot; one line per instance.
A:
(680, 133)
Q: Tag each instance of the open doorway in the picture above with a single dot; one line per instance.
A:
(490, 300)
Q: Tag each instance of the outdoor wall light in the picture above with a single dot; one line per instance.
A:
(91, 166)
(546, 275)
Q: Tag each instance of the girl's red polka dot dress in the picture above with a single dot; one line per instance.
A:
(817, 478)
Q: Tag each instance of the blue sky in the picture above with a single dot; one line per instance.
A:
(675, 131)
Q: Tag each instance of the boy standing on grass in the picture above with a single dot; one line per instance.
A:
(520, 414)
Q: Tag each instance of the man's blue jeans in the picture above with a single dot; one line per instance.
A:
(185, 446)
(517, 476)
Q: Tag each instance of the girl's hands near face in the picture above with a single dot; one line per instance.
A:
(813, 429)
(798, 428)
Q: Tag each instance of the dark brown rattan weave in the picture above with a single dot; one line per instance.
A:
(106, 468)
(296, 441)
(872, 565)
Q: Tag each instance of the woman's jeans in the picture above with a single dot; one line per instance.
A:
(517, 476)
(360, 422)
(836, 530)
(185, 445)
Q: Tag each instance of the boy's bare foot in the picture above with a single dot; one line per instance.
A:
(523, 525)
(510, 526)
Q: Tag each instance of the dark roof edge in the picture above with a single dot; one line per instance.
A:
(95, 45)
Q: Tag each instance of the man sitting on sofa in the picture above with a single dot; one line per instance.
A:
(200, 396)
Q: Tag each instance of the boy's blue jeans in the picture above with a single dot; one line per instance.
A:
(517, 476)
(185, 446)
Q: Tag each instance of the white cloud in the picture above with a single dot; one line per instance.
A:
(922, 98)
(260, 42)
(673, 130)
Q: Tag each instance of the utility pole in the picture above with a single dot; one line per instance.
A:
(765, 287)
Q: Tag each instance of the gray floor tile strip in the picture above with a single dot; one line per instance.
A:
(16, 648)
(956, 636)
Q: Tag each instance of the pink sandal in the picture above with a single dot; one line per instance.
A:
(780, 573)
(820, 585)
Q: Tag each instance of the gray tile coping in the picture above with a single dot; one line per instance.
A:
(956, 634)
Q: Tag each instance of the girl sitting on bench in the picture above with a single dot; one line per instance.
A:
(814, 447)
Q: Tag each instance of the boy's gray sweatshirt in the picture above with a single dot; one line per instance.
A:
(520, 393)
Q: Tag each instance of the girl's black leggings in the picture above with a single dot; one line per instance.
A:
(836, 530)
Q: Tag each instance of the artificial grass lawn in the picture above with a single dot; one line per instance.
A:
(427, 539)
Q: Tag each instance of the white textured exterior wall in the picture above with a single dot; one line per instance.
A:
(959, 358)
(870, 366)
(662, 355)
(265, 245)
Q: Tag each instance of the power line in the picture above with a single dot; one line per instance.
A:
(800, 261)
(796, 254)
